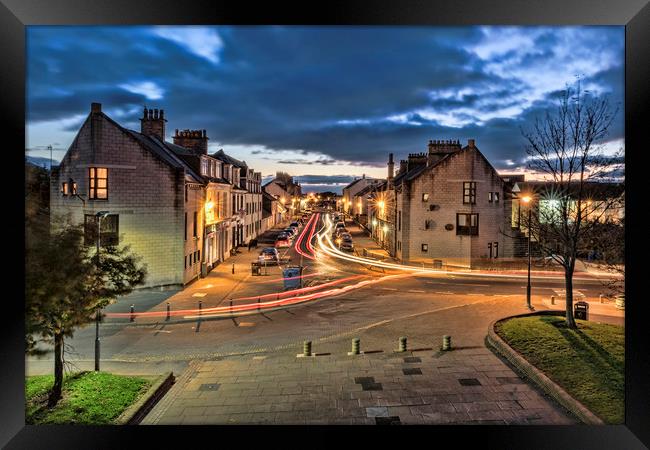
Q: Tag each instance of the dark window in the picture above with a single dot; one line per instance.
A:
(427, 224)
(185, 229)
(490, 248)
(469, 192)
(195, 229)
(198, 255)
(496, 249)
(109, 232)
(185, 261)
(74, 188)
(186, 189)
(190, 258)
(98, 183)
(399, 220)
(467, 224)
(425, 247)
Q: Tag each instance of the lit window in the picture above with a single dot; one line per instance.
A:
(425, 197)
(64, 188)
(74, 188)
(425, 247)
(490, 197)
(496, 197)
(98, 183)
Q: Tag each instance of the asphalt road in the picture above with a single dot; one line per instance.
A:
(413, 305)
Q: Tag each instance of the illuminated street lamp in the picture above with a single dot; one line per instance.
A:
(527, 200)
(99, 216)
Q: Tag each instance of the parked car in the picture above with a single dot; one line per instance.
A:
(339, 225)
(282, 240)
(290, 231)
(295, 225)
(346, 243)
(269, 255)
(338, 232)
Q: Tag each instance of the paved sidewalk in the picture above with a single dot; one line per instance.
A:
(464, 386)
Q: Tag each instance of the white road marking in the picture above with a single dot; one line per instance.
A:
(416, 291)
(389, 289)
(448, 292)
(460, 284)
(199, 294)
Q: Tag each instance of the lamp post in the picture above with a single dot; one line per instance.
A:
(527, 199)
(100, 215)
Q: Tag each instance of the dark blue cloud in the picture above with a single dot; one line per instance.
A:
(348, 93)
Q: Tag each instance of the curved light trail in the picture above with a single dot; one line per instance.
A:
(331, 250)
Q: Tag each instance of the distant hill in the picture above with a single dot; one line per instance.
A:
(40, 161)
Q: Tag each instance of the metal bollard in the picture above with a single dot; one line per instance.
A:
(306, 348)
(446, 343)
(402, 344)
(552, 299)
(230, 306)
(132, 315)
(258, 303)
(200, 306)
(168, 307)
(233, 268)
(356, 345)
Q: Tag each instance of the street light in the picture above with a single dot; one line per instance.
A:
(527, 200)
(99, 216)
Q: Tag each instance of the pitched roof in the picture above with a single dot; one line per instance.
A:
(228, 159)
(160, 149)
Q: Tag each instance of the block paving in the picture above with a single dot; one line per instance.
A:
(368, 389)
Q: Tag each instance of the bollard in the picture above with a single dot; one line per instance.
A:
(258, 303)
(446, 343)
(132, 315)
(552, 299)
(200, 306)
(306, 348)
(602, 298)
(401, 344)
(233, 268)
(356, 345)
(230, 306)
(167, 318)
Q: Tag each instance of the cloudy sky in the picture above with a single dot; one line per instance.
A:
(323, 103)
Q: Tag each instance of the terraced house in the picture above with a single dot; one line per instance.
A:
(176, 206)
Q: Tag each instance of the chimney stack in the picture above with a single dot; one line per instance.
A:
(195, 140)
(152, 123)
(470, 143)
(95, 108)
(391, 166)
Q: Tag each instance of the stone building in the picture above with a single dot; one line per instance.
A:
(286, 191)
(171, 202)
(347, 204)
(450, 205)
(247, 197)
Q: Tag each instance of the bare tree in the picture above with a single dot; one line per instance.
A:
(566, 147)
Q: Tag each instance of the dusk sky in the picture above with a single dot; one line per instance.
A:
(323, 103)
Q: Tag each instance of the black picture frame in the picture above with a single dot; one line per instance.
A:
(634, 14)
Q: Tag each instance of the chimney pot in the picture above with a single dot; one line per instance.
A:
(470, 142)
(95, 107)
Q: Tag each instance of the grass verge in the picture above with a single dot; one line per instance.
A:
(89, 398)
(588, 363)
